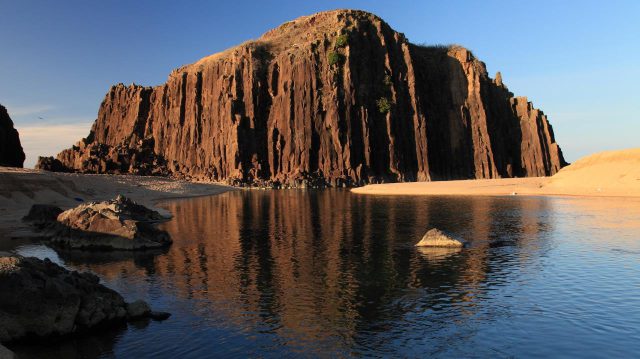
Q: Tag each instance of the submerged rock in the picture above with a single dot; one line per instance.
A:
(159, 316)
(138, 309)
(436, 238)
(119, 224)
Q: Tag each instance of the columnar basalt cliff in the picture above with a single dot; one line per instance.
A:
(11, 153)
(336, 98)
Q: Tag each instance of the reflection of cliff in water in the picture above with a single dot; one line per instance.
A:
(320, 266)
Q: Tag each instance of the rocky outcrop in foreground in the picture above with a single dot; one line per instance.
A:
(118, 224)
(11, 153)
(336, 98)
(40, 299)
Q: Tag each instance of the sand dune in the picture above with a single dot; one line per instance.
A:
(611, 173)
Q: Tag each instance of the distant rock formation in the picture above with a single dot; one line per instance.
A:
(11, 153)
(337, 98)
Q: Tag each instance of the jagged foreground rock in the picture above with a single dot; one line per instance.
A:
(11, 153)
(40, 299)
(334, 98)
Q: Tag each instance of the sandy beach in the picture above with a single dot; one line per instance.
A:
(604, 174)
(21, 188)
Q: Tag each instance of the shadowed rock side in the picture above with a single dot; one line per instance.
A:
(39, 300)
(11, 153)
(336, 98)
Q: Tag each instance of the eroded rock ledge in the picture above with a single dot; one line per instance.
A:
(333, 99)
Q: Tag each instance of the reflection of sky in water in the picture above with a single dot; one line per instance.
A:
(329, 273)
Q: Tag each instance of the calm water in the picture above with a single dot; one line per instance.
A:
(331, 274)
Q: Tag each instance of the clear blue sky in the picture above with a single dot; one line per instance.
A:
(576, 60)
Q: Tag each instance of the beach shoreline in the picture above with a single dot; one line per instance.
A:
(614, 174)
(21, 188)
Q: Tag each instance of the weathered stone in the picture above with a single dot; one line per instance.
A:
(436, 238)
(41, 299)
(117, 224)
(11, 153)
(333, 99)
(138, 309)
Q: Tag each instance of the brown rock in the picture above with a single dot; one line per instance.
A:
(11, 153)
(41, 299)
(119, 224)
(336, 98)
(436, 238)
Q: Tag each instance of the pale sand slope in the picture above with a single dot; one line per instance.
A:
(20, 188)
(611, 173)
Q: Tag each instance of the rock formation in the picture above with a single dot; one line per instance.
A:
(119, 224)
(336, 98)
(11, 153)
(436, 238)
(40, 299)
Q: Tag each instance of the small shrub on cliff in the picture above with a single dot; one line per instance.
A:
(335, 58)
(387, 80)
(384, 105)
(342, 40)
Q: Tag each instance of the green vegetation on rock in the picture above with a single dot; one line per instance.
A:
(384, 105)
(335, 58)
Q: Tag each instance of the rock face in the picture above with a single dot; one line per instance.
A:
(120, 224)
(11, 153)
(41, 299)
(336, 98)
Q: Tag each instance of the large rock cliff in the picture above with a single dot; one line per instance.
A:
(336, 98)
(11, 153)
